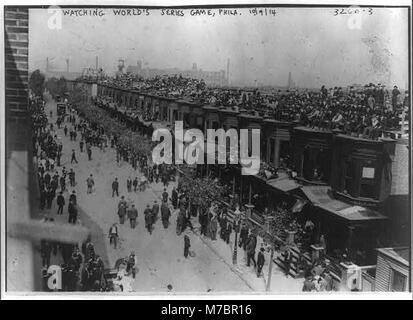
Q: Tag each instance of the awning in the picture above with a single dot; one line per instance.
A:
(284, 185)
(321, 197)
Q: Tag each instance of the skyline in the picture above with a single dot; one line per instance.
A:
(262, 50)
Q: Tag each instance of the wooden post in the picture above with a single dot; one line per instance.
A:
(268, 287)
(233, 187)
(250, 193)
(240, 190)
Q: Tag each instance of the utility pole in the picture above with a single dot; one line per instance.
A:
(228, 72)
(237, 217)
(268, 286)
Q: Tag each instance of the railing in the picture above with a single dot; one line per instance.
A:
(368, 279)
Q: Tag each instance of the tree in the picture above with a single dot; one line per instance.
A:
(201, 191)
(36, 82)
(56, 87)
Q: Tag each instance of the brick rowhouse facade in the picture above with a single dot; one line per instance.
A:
(19, 253)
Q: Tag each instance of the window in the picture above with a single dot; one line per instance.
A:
(368, 173)
(398, 281)
(368, 185)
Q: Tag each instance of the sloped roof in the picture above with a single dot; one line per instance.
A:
(321, 197)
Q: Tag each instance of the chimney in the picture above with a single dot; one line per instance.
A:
(47, 64)
(97, 62)
(228, 71)
(67, 65)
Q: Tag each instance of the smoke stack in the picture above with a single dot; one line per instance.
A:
(228, 71)
(67, 65)
(97, 62)
(47, 64)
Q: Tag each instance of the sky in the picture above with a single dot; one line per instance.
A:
(314, 44)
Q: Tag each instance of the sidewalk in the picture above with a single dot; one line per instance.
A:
(279, 282)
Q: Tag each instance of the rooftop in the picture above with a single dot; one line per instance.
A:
(401, 254)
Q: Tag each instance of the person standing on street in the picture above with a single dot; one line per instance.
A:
(155, 211)
(165, 213)
(260, 261)
(81, 143)
(129, 184)
(89, 153)
(148, 219)
(131, 264)
(73, 197)
(65, 131)
(60, 203)
(252, 242)
(174, 198)
(72, 209)
(213, 227)
(113, 235)
(63, 183)
(135, 184)
(187, 245)
(115, 188)
(243, 237)
(72, 177)
(122, 210)
(90, 183)
(132, 216)
(73, 157)
(165, 195)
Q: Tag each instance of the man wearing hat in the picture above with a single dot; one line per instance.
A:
(90, 183)
(260, 261)
(148, 219)
(187, 245)
(130, 265)
(113, 235)
(132, 216)
(122, 205)
(73, 197)
(60, 203)
(165, 195)
(165, 214)
(155, 211)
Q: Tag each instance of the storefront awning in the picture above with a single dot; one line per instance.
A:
(321, 197)
(284, 185)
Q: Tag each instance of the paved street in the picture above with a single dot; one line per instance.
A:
(160, 255)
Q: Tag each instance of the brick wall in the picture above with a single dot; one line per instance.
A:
(16, 75)
(21, 275)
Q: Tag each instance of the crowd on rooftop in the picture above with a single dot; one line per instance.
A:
(362, 111)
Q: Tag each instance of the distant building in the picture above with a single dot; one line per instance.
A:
(211, 78)
(290, 84)
(67, 75)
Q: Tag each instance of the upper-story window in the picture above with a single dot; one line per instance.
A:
(368, 182)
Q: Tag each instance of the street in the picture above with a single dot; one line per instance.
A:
(160, 255)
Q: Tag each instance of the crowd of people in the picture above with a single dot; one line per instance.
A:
(364, 111)
(81, 267)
